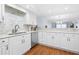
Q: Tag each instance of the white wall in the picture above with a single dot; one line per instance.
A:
(41, 22)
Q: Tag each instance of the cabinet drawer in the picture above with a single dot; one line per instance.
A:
(3, 41)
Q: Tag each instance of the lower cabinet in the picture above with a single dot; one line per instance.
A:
(66, 41)
(0, 50)
(40, 37)
(73, 42)
(15, 45)
(19, 44)
(4, 47)
(27, 42)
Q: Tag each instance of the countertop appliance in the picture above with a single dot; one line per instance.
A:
(34, 38)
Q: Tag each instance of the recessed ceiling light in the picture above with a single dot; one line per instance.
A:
(49, 11)
(66, 8)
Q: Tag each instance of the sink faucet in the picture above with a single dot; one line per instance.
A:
(15, 29)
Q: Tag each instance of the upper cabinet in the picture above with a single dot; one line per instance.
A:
(31, 19)
(1, 13)
(30, 16)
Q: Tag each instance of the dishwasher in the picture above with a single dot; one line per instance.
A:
(34, 38)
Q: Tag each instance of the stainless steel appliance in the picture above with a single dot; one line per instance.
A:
(34, 38)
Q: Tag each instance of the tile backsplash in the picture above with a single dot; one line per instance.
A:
(10, 21)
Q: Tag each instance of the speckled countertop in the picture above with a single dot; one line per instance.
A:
(72, 31)
(8, 36)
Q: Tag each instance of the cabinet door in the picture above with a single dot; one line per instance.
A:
(15, 45)
(40, 37)
(65, 41)
(48, 38)
(5, 50)
(0, 50)
(74, 42)
(44, 38)
(27, 42)
(0, 12)
(57, 39)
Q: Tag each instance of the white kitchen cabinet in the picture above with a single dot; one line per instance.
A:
(40, 36)
(47, 38)
(30, 18)
(4, 48)
(66, 41)
(50, 38)
(73, 42)
(1, 12)
(0, 50)
(19, 44)
(15, 45)
(70, 42)
(56, 41)
(27, 42)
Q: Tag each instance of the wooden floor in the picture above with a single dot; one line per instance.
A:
(43, 50)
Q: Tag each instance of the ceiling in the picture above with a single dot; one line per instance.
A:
(52, 9)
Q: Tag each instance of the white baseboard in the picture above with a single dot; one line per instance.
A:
(59, 48)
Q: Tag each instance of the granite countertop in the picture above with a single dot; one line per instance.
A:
(71, 31)
(7, 35)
